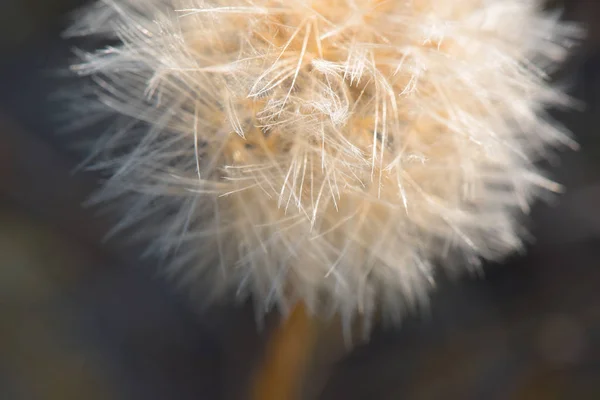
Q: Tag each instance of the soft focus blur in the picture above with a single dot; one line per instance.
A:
(81, 318)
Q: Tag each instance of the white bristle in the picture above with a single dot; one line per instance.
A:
(330, 151)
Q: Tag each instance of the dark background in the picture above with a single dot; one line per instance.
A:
(86, 319)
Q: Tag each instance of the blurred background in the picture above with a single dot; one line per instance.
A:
(81, 318)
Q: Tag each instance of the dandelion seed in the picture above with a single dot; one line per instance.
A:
(402, 132)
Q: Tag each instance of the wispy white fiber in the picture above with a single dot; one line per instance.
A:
(330, 151)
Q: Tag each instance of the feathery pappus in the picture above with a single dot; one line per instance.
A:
(332, 152)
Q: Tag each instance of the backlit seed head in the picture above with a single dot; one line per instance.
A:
(330, 151)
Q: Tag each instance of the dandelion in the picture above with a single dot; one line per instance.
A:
(333, 152)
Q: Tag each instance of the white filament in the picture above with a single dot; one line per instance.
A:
(330, 151)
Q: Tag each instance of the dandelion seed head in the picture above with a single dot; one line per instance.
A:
(329, 151)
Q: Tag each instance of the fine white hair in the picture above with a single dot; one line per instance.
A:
(331, 152)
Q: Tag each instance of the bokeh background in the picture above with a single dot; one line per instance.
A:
(81, 318)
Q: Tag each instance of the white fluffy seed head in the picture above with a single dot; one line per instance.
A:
(329, 151)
